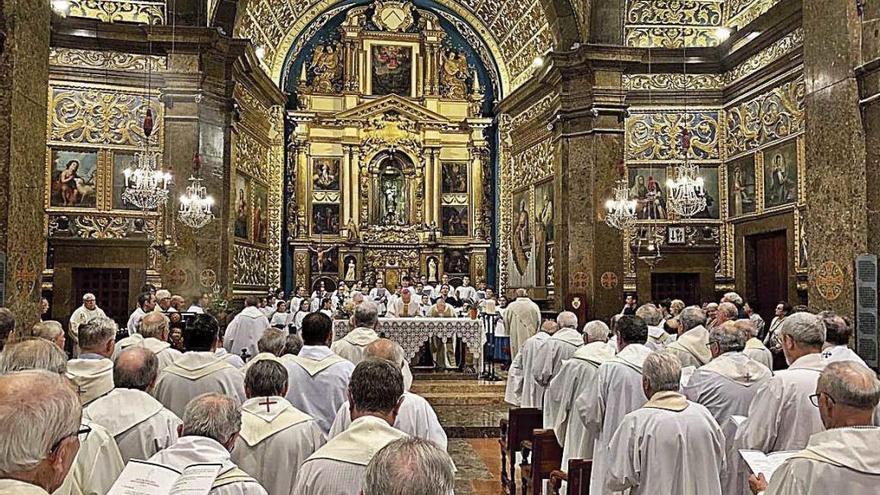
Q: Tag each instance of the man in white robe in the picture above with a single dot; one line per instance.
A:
(380, 295)
(199, 305)
(567, 386)
(522, 318)
(526, 389)
(416, 417)
(318, 376)
(658, 339)
(273, 432)
(755, 349)
(198, 371)
(92, 372)
(727, 385)
(465, 291)
(405, 306)
(375, 394)
(613, 392)
(246, 329)
(691, 346)
(781, 416)
(270, 346)
(139, 423)
(844, 459)
(211, 426)
(154, 336)
(559, 347)
(146, 303)
(837, 336)
(84, 313)
(670, 445)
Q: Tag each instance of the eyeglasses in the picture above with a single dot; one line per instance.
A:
(84, 430)
(814, 399)
(710, 344)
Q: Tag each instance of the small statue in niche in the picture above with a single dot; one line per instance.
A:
(350, 271)
(325, 66)
(453, 75)
(432, 270)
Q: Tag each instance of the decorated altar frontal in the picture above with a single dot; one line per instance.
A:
(412, 333)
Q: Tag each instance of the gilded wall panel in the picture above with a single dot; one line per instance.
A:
(742, 12)
(781, 47)
(672, 37)
(537, 109)
(250, 266)
(658, 135)
(683, 12)
(103, 117)
(251, 156)
(137, 11)
(672, 82)
(533, 164)
(96, 59)
(773, 115)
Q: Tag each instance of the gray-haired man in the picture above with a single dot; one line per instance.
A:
(92, 372)
(410, 465)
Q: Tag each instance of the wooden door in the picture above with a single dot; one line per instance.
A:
(110, 287)
(684, 286)
(767, 272)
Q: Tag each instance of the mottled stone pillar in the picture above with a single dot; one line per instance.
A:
(24, 75)
(836, 229)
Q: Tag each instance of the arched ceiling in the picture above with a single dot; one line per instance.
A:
(515, 31)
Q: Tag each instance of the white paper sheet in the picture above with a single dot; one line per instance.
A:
(760, 462)
(144, 478)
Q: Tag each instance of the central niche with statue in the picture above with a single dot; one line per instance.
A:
(390, 147)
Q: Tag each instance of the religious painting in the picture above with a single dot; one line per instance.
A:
(544, 211)
(325, 176)
(647, 188)
(122, 161)
(455, 261)
(325, 219)
(710, 192)
(391, 70)
(74, 178)
(326, 68)
(741, 185)
(242, 207)
(780, 174)
(325, 260)
(261, 214)
(521, 243)
(455, 177)
(455, 220)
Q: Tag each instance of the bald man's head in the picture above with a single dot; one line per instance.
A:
(136, 368)
(387, 350)
(155, 325)
(550, 326)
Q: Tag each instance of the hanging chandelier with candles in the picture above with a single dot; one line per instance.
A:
(146, 186)
(622, 209)
(196, 205)
(687, 195)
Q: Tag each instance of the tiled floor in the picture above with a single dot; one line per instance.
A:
(478, 461)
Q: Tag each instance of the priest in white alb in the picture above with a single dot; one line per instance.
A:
(416, 416)
(567, 386)
(84, 313)
(275, 438)
(270, 346)
(140, 424)
(755, 349)
(844, 459)
(837, 337)
(613, 392)
(198, 371)
(375, 395)
(691, 346)
(246, 329)
(211, 425)
(522, 318)
(658, 339)
(154, 336)
(670, 445)
(405, 306)
(781, 416)
(92, 372)
(521, 383)
(318, 376)
(559, 347)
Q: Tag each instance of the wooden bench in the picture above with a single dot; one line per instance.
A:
(546, 457)
(514, 430)
(577, 477)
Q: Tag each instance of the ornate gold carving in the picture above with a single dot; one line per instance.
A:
(533, 164)
(102, 117)
(326, 68)
(657, 135)
(774, 115)
(454, 75)
(302, 267)
(773, 52)
(391, 235)
(683, 12)
(377, 259)
(671, 37)
(72, 57)
(742, 12)
(672, 82)
(537, 109)
(138, 11)
(393, 16)
(96, 226)
(829, 280)
(250, 266)
(250, 155)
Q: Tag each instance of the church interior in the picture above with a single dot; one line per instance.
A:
(593, 158)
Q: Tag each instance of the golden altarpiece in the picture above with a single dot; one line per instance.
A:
(389, 163)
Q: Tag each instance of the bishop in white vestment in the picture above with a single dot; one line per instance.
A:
(246, 329)
(522, 318)
(140, 424)
(613, 392)
(338, 467)
(275, 438)
(670, 445)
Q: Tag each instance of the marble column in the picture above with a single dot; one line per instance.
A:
(24, 76)
(836, 229)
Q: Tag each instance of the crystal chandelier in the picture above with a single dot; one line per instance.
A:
(621, 210)
(146, 186)
(196, 205)
(686, 194)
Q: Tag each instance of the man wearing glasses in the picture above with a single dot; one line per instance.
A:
(39, 432)
(844, 458)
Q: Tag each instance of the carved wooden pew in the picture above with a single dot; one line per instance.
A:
(546, 457)
(514, 430)
(577, 477)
